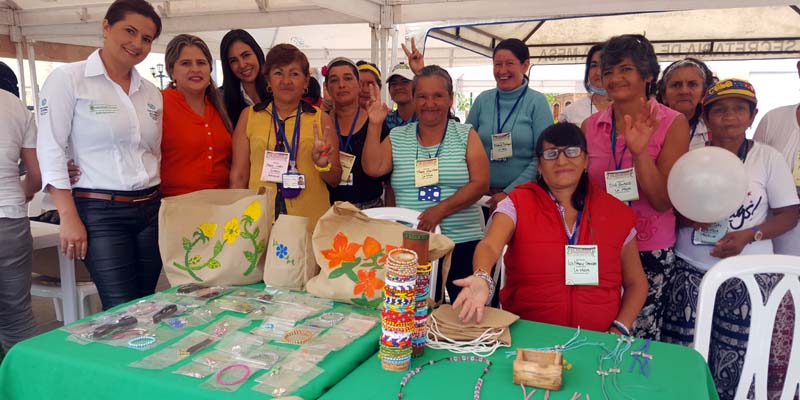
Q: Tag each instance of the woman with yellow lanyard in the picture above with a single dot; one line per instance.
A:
(300, 165)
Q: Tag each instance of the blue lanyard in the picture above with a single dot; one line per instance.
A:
(571, 239)
(343, 146)
(438, 148)
(513, 108)
(614, 144)
(280, 129)
(742, 153)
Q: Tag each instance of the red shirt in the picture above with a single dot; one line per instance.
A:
(535, 288)
(195, 151)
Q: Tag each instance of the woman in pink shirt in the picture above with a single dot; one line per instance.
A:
(632, 147)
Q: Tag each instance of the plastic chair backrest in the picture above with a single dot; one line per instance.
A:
(756, 361)
(410, 217)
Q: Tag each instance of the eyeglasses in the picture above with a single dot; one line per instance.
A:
(554, 153)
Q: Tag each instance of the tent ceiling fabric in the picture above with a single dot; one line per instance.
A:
(740, 33)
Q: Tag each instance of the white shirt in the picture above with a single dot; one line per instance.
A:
(247, 99)
(770, 186)
(17, 132)
(578, 111)
(114, 137)
(700, 136)
(779, 129)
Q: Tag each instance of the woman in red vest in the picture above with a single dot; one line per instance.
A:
(571, 247)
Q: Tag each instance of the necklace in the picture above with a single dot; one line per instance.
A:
(478, 384)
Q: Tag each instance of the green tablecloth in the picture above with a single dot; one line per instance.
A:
(48, 367)
(677, 373)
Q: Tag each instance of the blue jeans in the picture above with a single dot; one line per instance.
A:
(16, 258)
(123, 256)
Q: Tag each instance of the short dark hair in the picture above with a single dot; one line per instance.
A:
(231, 93)
(516, 47)
(285, 54)
(120, 8)
(8, 80)
(565, 134)
(592, 50)
(708, 80)
(641, 52)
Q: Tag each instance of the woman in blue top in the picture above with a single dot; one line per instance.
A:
(509, 119)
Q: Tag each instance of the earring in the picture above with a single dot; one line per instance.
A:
(305, 91)
(269, 90)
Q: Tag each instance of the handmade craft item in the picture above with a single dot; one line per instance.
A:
(418, 242)
(476, 393)
(397, 315)
(541, 369)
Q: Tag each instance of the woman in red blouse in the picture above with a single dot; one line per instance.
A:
(196, 144)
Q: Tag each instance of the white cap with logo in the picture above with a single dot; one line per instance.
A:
(402, 70)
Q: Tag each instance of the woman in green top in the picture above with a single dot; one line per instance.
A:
(509, 119)
(459, 179)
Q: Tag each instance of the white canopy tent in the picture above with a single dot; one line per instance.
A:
(275, 21)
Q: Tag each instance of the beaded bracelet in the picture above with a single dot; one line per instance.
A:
(424, 268)
(298, 336)
(396, 317)
(399, 308)
(234, 382)
(141, 342)
(401, 286)
(331, 318)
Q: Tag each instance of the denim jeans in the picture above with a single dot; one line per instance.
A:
(123, 256)
(16, 252)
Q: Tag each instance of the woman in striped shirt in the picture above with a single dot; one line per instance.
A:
(438, 166)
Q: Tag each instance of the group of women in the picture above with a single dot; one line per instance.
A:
(585, 213)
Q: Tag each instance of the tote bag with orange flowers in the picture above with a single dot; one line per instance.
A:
(215, 236)
(351, 250)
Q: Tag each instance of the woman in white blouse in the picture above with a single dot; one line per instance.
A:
(104, 115)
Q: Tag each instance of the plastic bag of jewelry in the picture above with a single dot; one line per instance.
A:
(205, 364)
(285, 380)
(294, 312)
(266, 295)
(190, 319)
(302, 298)
(301, 334)
(186, 347)
(102, 327)
(358, 324)
(245, 292)
(333, 339)
(267, 355)
(239, 343)
(327, 319)
(308, 355)
(225, 325)
(144, 336)
(231, 376)
(236, 304)
(272, 328)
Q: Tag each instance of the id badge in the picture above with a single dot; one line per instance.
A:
(502, 148)
(426, 172)
(582, 265)
(430, 193)
(622, 184)
(711, 235)
(796, 169)
(347, 160)
(276, 163)
(294, 180)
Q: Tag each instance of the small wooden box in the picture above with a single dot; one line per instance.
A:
(541, 369)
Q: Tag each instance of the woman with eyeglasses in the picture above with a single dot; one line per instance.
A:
(632, 147)
(560, 228)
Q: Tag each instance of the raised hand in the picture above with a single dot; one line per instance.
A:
(638, 130)
(320, 151)
(415, 58)
(376, 109)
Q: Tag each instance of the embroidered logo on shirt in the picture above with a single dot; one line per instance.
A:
(102, 109)
(153, 111)
(43, 108)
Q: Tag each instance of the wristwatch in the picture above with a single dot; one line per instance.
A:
(758, 235)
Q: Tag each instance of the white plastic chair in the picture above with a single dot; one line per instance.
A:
(762, 321)
(407, 216)
(70, 299)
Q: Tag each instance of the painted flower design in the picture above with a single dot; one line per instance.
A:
(208, 230)
(371, 247)
(385, 257)
(367, 283)
(231, 231)
(282, 251)
(342, 251)
(253, 211)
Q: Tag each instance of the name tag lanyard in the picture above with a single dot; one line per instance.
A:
(280, 133)
(345, 145)
(742, 153)
(510, 113)
(694, 129)
(573, 238)
(617, 163)
(438, 148)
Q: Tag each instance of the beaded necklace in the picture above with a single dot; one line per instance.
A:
(478, 384)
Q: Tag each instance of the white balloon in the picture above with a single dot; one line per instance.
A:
(707, 184)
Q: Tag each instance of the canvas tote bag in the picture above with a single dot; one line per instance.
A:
(215, 236)
(290, 257)
(351, 250)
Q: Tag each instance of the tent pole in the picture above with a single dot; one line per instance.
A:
(394, 55)
(32, 68)
(21, 68)
(373, 43)
(384, 69)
